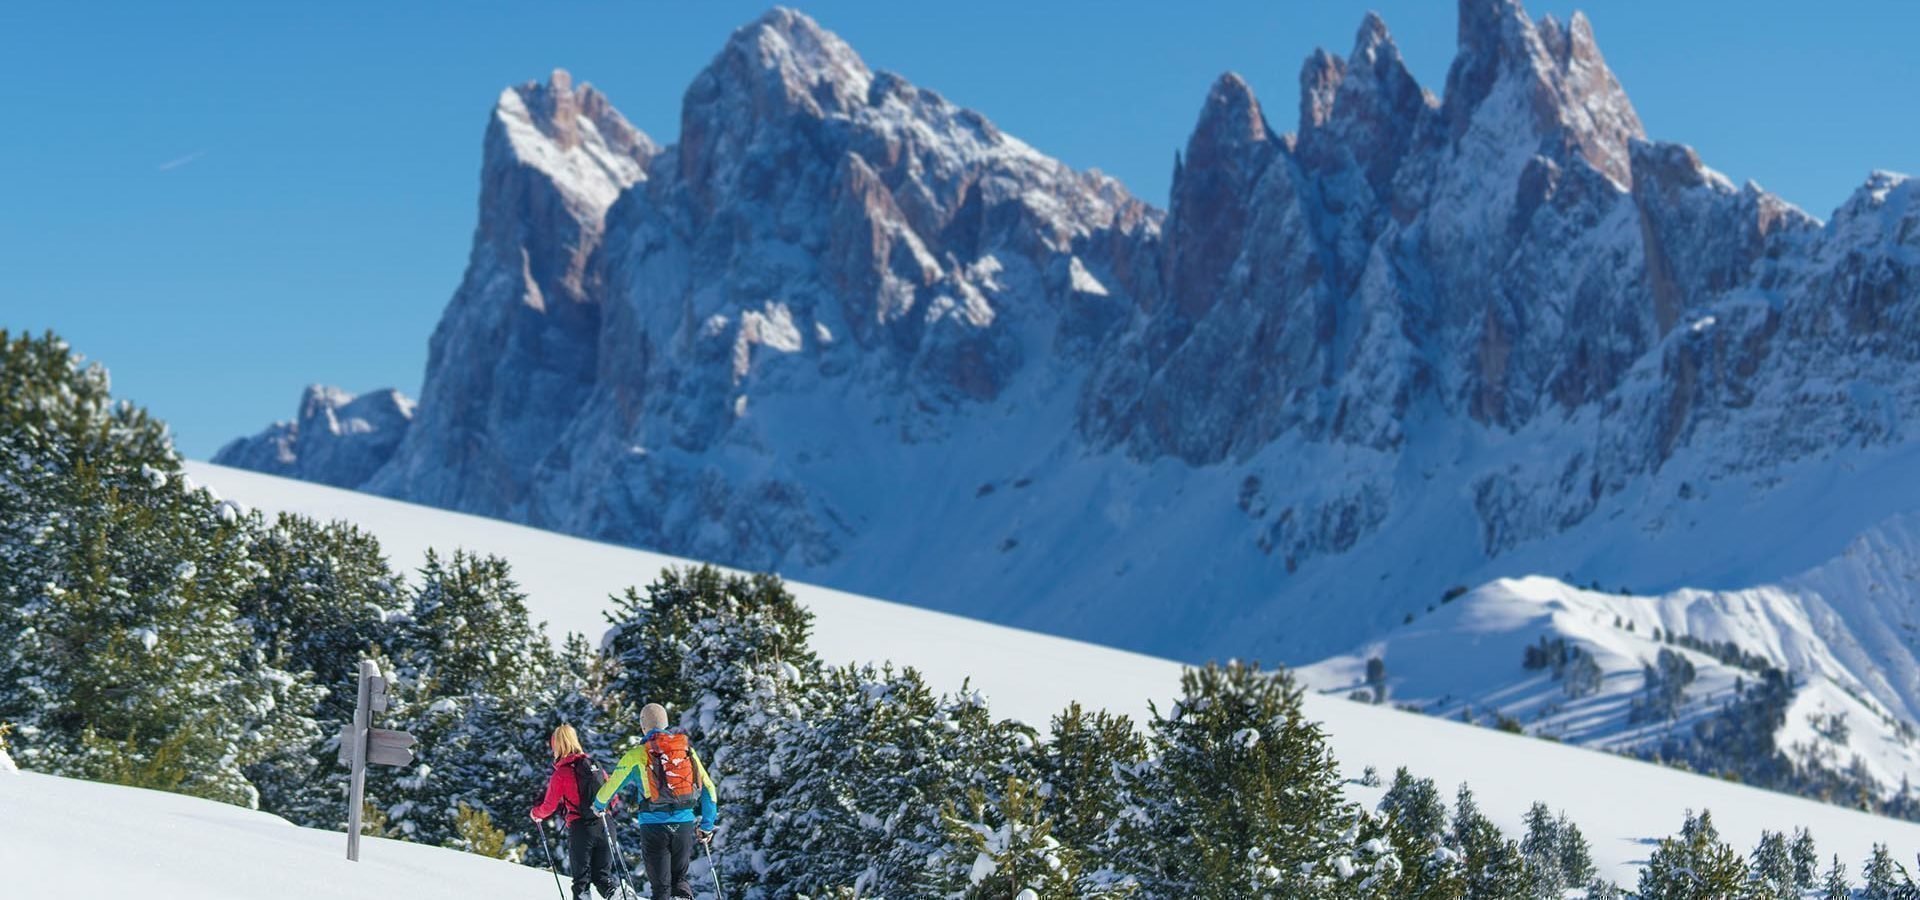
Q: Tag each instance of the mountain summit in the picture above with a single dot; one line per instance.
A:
(848, 330)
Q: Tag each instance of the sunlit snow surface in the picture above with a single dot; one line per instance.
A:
(1622, 805)
(148, 844)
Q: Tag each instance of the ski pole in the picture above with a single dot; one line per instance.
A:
(713, 868)
(619, 858)
(553, 865)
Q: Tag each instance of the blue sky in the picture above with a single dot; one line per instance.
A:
(227, 201)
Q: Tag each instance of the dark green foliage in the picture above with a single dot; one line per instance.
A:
(1835, 884)
(1695, 865)
(126, 660)
(1771, 868)
(1416, 817)
(1080, 773)
(1000, 851)
(319, 601)
(1883, 878)
(1665, 689)
(472, 679)
(1243, 798)
(1493, 866)
(873, 761)
(1806, 861)
(652, 630)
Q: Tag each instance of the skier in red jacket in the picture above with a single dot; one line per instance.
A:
(589, 856)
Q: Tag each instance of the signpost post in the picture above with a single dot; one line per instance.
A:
(361, 743)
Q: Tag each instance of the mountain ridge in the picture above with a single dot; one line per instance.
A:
(847, 330)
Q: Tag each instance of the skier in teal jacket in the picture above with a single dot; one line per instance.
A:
(673, 786)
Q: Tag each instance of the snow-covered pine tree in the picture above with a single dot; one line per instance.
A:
(128, 663)
(1013, 850)
(1806, 860)
(1882, 878)
(1080, 769)
(1540, 851)
(1771, 868)
(1243, 797)
(1834, 885)
(1693, 865)
(1418, 830)
(476, 673)
(652, 631)
(875, 760)
(1493, 866)
(319, 601)
(1576, 857)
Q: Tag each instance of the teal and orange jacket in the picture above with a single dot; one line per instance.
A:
(633, 767)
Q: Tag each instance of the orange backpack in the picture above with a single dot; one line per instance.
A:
(673, 783)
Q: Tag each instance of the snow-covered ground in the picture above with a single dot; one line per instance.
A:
(62, 838)
(1466, 658)
(1622, 805)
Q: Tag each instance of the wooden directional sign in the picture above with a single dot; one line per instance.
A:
(377, 693)
(346, 745)
(389, 748)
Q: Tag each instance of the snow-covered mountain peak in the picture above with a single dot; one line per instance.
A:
(574, 136)
(338, 438)
(1548, 82)
(811, 63)
(1230, 120)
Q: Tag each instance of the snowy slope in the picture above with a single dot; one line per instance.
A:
(160, 845)
(1620, 804)
(1466, 659)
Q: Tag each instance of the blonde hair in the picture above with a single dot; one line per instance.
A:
(653, 717)
(565, 742)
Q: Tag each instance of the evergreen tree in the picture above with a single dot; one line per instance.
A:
(870, 769)
(1080, 780)
(475, 673)
(1771, 868)
(319, 601)
(118, 582)
(1417, 829)
(1836, 882)
(1806, 861)
(727, 655)
(1243, 798)
(1540, 851)
(1493, 866)
(1883, 879)
(653, 630)
(1576, 859)
(1011, 850)
(1695, 865)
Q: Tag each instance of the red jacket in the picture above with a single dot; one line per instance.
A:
(563, 791)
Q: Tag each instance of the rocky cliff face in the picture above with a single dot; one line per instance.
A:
(514, 356)
(338, 438)
(851, 331)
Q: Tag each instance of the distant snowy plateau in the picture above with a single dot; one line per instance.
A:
(848, 331)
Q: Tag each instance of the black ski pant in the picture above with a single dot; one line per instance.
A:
(668, 850)
(589, 858)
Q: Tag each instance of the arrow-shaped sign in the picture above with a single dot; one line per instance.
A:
(389, 748)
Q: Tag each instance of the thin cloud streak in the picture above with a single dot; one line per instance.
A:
(186, 160)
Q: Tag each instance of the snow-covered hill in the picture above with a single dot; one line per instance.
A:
(61, 837)
(1621, 804)
(1640, 674)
